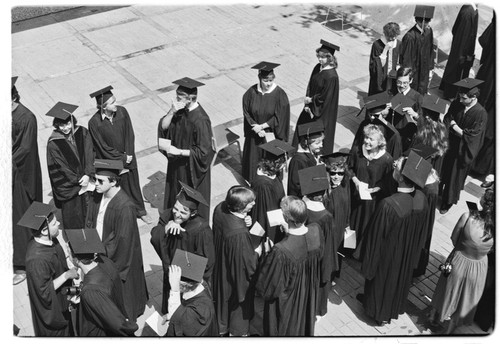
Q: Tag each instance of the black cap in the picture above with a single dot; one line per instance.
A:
(377, 102)
(102, 95)
(472, 205)
(331, 48)
(14, 79)
(36, 215)
(265, 68)
(422, 11)
(313, 179)
(434, 103)
(423, 150)
(84, 241)
(416, 169)
(311, 128)
(467, 84)
(277, 148)
(188, 85)
(62, 111)
(399, 102)
(341, 156)
(192, 265)
(190, 197)
(108, 167)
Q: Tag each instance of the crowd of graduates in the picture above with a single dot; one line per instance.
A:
(267, 262)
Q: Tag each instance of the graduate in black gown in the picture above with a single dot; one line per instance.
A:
(236, 261)
(384, 60)
(268, 186)
(191, 310)
(417, 51)
(393, 243)
(311, 136)
(70, 159)
(101, 312)
(377, 110)
(466, 120)
(47, 273)
(181, 227)
(290, 275)
(461, 56)
(322, 96)
(114, 215)
(315, 182)
(114, 139)
(266, 110)
(190, 155)
(26, 177)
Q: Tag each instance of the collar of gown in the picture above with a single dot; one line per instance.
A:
(406, 190)
(298, 231)
(377, 156)
(314, 205)
(189, 294)
(273, 86)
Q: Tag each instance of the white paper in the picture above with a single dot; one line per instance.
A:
(257, 229)
(275, 217)
(154, 321)
(164, 144)
(270, 137)
(364, 194)
(90, 187)
(349, 238)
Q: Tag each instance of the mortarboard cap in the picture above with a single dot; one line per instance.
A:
(265, 68)
(416, 169)
(313, 179)
(36, 215)
(340, 156)
(108, 167)
(14, 79)
(467, 84)
(423, 11)
(399, 102)
(190, 197)
(328, 46)
(102, 95)
(377, 102)
(277, 148)
(192, 265)
(435, 104)
(62, 111)
(84, 241)
(188, 85)
(311, 128)
(423, 150)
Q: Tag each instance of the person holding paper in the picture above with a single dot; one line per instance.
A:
(370, 169)
(236, 261)
(392, 246)
(311, 136)
(70, 159)
(192, 150)
(266, 112)
(181, 227)
(101, 312)
(290, 275)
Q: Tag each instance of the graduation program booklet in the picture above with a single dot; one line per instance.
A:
(164, 144)
(154, 321)
(270, 137)
(349, 238)
(364, 193)
(275, 217)
(256, 234)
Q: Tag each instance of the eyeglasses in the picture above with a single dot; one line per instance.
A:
(340, 173)
(100, 181)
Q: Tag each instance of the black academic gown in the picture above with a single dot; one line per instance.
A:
(121, 240)
(68, 163)
(26, 176)
(272, 108)
(195, 317)
(333, 237)
(417, 52)
(462, 150)
(49, 307)
(379, 80)
(235, 265)
(114, 141)
(197, 239)
(269, 193)
(392, 137)
(289, 282)
(102, 311)
(323, 88)
(392, 247)
(190, 130)
(485, 160)
(297, 163)
(461, 55)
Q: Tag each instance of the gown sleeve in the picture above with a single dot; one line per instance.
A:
(201, 151)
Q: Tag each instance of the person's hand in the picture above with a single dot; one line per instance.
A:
(174, 277)
(308, 110)
(174, 151)
(431, 72)
(412, 113)
(173, 228)
(284, 227)
(129, 159)
(176, 105)
(248, 221)
(258, 250)
(375, 189)
(165, 318)
(257, 128)
(307, 100)
(268, 244)
(261, 133)
(84, 181)
(71, 273)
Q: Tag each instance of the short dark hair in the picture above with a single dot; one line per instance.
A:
(404, 71)
(57, 121)
(391, 29)
(116, 179)
(305, 141)
(238, 197)
(15, 95)
(474, 92)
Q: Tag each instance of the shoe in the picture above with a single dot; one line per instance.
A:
(360, 297)
(382, 323)
(444, 209)
(19, 277)
(486, 184)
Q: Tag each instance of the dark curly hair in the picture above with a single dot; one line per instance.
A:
(271, 167)
(487, 214)
(57, 121)
(432, 133)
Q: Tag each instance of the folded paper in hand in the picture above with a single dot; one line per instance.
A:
(154, 321)
(164, 144)
(275, 217)
(364, 194)
(349, 238)
(257, 229)
(89, 187)
(270, 137)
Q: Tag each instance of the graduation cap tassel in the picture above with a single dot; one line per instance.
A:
(187, 259)
(419, 161)
(84, 236)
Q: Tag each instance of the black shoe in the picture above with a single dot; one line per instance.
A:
(486, 184)
(360, 297)
(444, 209)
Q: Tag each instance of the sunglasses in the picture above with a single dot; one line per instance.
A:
(340, 173)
